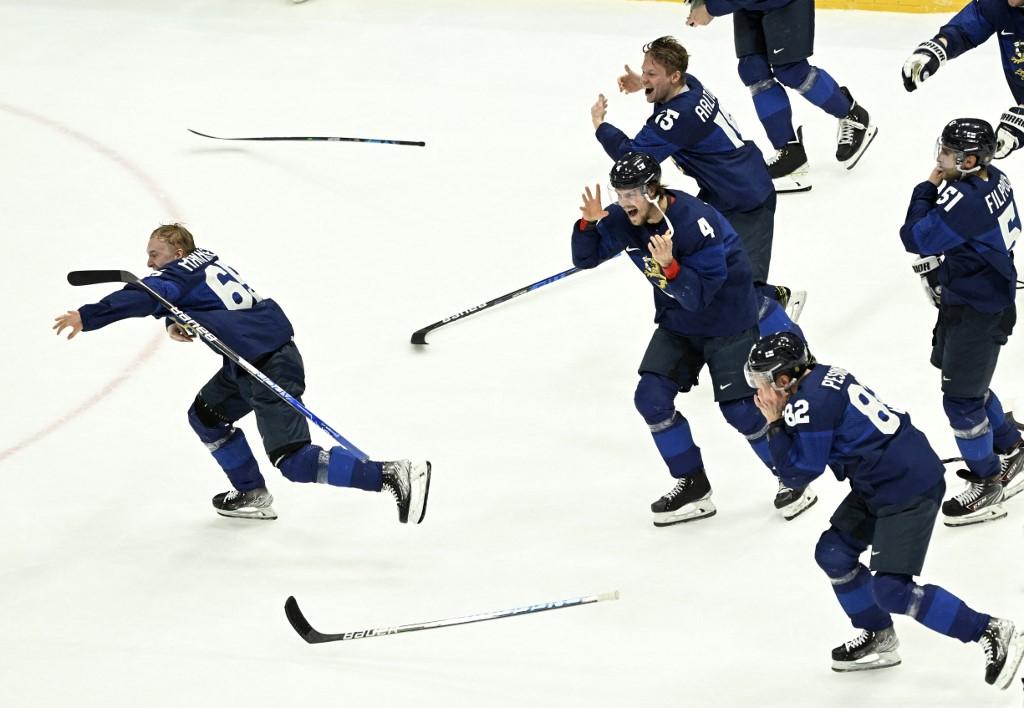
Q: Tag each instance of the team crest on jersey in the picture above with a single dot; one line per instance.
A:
(652, 269)
(1018, 57)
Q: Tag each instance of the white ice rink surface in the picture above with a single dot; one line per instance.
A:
(119, 586)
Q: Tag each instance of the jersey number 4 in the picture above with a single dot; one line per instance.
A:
(227, 284)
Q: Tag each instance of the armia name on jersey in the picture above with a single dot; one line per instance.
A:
(997, 198)
(196, 259)
(834, 378)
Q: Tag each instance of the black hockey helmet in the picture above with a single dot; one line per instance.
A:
(634, 170)
(970, 136)
(776, 354)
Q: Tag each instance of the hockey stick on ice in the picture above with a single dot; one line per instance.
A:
(92, 277)
(420, 335)
(306, 631)
(417, 143)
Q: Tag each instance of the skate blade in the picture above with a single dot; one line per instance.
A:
(420, 484)
(700, 509)
(1015, 487)
(797, 181)
(991, 513)
(799, 506)
(265, 513)
(797, 300)
(1014, 654)
(872, 661)
(869, 136)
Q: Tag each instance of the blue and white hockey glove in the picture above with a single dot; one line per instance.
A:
(1010, 134)
(928, 268)
(925, 61)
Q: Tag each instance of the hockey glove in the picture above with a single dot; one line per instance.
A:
(925, 61)
(1010, 135)
(928, 268)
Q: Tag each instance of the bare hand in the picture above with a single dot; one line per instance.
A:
(71, 319)
(699, 16)
(179, 333)
(770, 402)
(592, 209)
(630, 81)
(598, 110)
(937, 175)
(660, 247)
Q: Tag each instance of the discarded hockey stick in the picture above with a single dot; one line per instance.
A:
(420, 335)
(93, 277)
(417, 143)
(306, 631)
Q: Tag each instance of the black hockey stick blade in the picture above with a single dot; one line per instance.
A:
(327, 138)
(420, 336)
(300, 624)
(92, 277)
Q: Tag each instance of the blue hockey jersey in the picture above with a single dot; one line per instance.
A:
(213, 293)
(834, 420)
(702, 140)
(713, 294)
(978, 21)
(975, 224)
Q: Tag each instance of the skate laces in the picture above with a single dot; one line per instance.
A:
(776, 157)
(847, 129)
(680, 487)
(858, 642)
(971, 494)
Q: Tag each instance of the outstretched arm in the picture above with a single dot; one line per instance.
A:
(71, 319)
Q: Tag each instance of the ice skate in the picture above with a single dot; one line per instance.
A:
(871, 650)
(793, 502)
(788, 166)
(855, 133)
(689, 500)
(980, 501)
(252, 504)
(1003, 646)
(1011, 470)
(409, 482)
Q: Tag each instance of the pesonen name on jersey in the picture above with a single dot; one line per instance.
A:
(835, 378)
(197, 259)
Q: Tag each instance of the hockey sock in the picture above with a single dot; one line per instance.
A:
(654, 400)
(744, 416)
(770, 100)
(337, 467)
(816, 85)
(941, 611)
(969, 419)
(857, 598)
(1004, 434)
(229, 448)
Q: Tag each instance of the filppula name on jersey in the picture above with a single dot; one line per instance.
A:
(997, 198)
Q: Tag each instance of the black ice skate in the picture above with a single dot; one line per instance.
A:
(1003, 647)
(1011, 466)
(871, 650)
(855, 133)
(409, 482)
(981, 500)
(793, 502)
(253, 504)
(788, 166)
(689, 500)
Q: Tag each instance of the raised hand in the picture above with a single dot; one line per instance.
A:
(1010, 134)
(924, 62)
(630, 81)
(699, 15)
(598, 110)
(592, 209)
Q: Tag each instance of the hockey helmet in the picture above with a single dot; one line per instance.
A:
(634, 170)
(969, 136)
(774, 355)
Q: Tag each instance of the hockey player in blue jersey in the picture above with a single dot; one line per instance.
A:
(820, 415)
(689, 125)
(966, 232)
(969, 28)
(706, 312)
(774, 39)
(258, 330)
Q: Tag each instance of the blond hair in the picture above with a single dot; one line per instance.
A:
(176, 236)
(670, 54)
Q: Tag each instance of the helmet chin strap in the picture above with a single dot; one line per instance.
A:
(654, 201)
